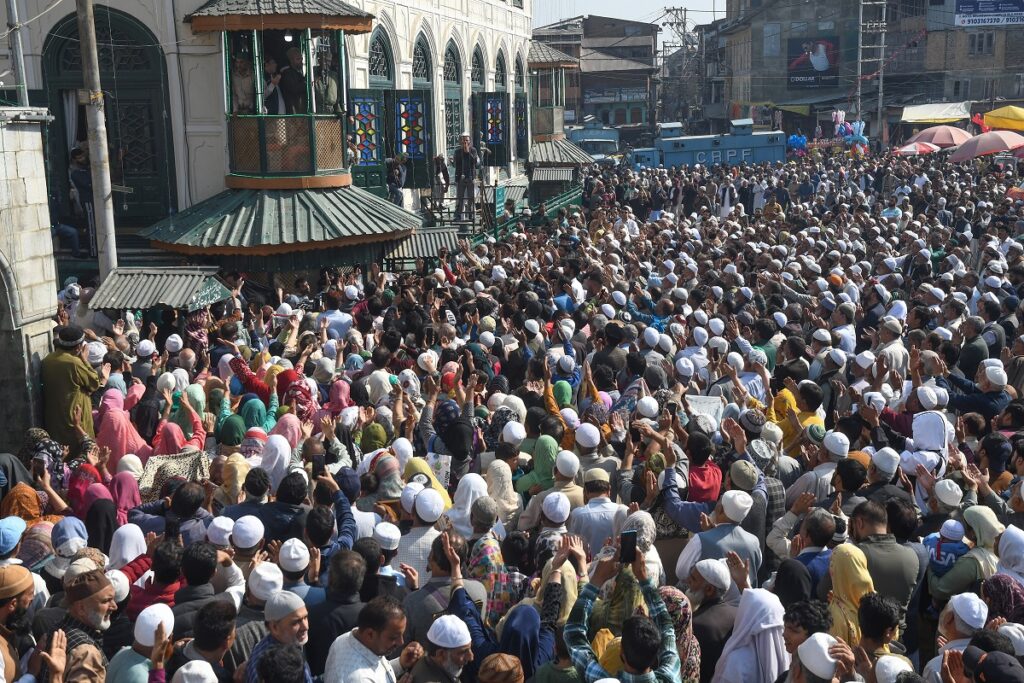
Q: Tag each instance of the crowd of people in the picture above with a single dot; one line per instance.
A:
(747, 424)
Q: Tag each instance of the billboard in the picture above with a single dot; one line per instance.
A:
(813, 62)
(989, 12)
(610, 95)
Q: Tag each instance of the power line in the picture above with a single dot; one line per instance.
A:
(22, 24)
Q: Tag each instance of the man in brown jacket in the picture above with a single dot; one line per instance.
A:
(90, 599)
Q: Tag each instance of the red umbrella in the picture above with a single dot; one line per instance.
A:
(917, 148)
(993, 142)
(943, 136)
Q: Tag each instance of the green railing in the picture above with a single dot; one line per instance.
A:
(552, 205)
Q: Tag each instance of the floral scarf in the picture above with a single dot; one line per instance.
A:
(678, 607)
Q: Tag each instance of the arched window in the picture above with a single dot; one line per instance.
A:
(520, 78)
(381, 69)
(500, 72)
(422, 68)
(452, 97)
(476, 74)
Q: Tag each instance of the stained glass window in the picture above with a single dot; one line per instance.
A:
(520, 81)
(500, 73)
(421, 61)
(452, 68)
(380, 58)
(412, 126)
(477, 73)
(366, 130)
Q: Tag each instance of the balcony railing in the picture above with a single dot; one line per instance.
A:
(296, 145)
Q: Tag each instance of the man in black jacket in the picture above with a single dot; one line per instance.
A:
(466, 162)
(339, 614)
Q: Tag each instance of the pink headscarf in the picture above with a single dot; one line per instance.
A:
(340, 397)
(290, 428)
(170, 440)
(117, 433)
(125, 492)
(92, 494)
(112, 401)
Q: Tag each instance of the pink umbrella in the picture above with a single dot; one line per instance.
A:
(993, 142)
(917, 148)
(943, 136)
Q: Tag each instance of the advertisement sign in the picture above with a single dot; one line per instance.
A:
(610, 95)
(989, 12)
(813, 62)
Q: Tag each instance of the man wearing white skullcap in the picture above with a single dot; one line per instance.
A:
(595, 520)
(132, 663)
(414, 549)
(567, 466)
(449, 649)
(293, 557)
(988, 396)
(722, 534)
(713, 618)
(964, 615)
(813, 657)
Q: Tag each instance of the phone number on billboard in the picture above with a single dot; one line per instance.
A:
(989, 19)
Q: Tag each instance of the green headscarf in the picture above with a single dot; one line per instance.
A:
(373, 438)
(232, 431)
(563, 393)
(543, 473)
(197, 399)
(254, 414)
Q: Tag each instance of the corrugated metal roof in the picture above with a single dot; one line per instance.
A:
(424, 243)
(548, 175)
(594, 61)
(558, 152)
(542, 53)
(331, 8)
(237, 221)
(187, 287)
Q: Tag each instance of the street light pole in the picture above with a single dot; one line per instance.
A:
(103, 200)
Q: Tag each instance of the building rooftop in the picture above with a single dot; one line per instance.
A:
(225, 15)
(594, 61)
(542, 54)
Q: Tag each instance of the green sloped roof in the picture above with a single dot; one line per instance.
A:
(558, 152)
(424, 243)
(279, 221)
(333, 8)
(187, 287)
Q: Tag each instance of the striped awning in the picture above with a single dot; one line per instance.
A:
(552, 175)
(184, 288)
(423, 243)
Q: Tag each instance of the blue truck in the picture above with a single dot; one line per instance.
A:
(741, 145)
(596, 139)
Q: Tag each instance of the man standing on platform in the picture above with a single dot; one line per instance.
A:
(466, 162)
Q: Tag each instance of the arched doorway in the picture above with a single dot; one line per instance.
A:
(133, 75)
(453, 119)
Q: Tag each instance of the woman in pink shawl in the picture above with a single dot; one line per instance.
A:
(92, 494)
(339, 400)
(117, 432)
(124, 490)
(169, 439)
(290, 428)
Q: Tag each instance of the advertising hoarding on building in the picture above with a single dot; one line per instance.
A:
(813, 62)
(989, 12)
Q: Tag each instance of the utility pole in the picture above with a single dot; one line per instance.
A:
(860, 55)
(883, 126)
(103, 200)
(871, 50)
(17, 52)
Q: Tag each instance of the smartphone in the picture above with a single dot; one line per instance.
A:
(319, 466)
(634, 435)
(172, 528)
(672, 407)
(627, 547)
(38, 466)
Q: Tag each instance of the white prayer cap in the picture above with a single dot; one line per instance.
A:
(409, 493)
(651, 337)
(997, 376)
(684, 367)
(487, 339)
(556, 507)
(403, 450)
(822, 335)
(837, 355)
(173, 343)
(886, 460)
(837, 444)
(719, 344)
(567, 464)
(700, 317)
(971, 609)
(120, 583)
(814, 655)
(943, 333)
(865, 359)
(927, 397)
(608, 311)
(513, 433)
(293, 556)
(281, 604)
(429, 505)
(736, 505)
(387, 535)
(247, 532)
(700, 336)
(780, 319)
(717, 326)
(1015, 632)
(648, 406)
(148, 621)
(195, 671)
(715, 572)
(449, 632)
(265, 580)
(952, 529)
(948, 493)
(619, 298)
(219, 531)
(588, 435)
(889, 667)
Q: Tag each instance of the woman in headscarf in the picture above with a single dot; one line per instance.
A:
(52, 455)
(300, 397)
(500, 488)
(687, 647)
(290, 427)
(196, 398)
(565, 597)
(230, 492)
(277, 457)
(755, 652)
(383, 469)
(255, 414)
(792, 582)
(851, 581)
(338, 398)
(170, 440)
(24, 501)
(132, 464)
(982, 529)
(471, 487)
(126, 545)
(100, 517)
(117, 433)
(499, 418)
(373, 437)
(230, 433)
(14, 472)
(418, 468)
(1010, 550)
(124, 489)
(1004, 597)
(252, 445)
(543, 475)
(447, 432)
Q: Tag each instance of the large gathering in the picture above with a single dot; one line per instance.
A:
(747, 424)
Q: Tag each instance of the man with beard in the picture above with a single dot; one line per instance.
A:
(91, 603)
(16, 593)
(288, 623)
(713, 618)
(449, 650)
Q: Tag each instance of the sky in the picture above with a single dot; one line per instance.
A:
(549, 11)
